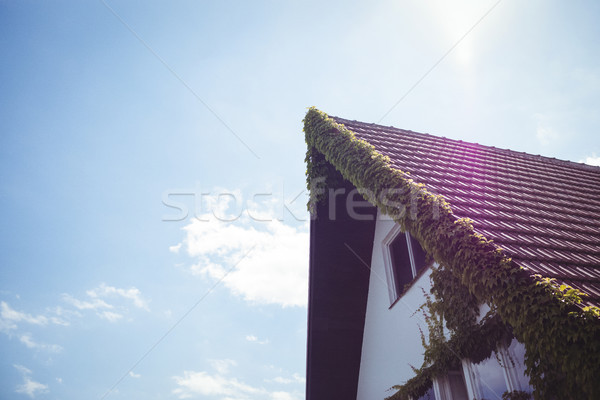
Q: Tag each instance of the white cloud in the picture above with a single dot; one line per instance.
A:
(28, 341)
(279, 379)
(7, 325)
(59, 321)
(62, 316)
(9, 319)
(193, 384)
(283, 396)
(8, 314)
(270, 258)
(96, 301)
(252, 338)
(134, 375)
(29, 387)
(222, 366)
(85, 305)
(110, 316)
(591, 160)
(22, 369)
(296, 378)
(201, 383)
(132, 294)
(175, 249)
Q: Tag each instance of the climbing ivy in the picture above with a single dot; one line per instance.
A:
(516, 395)
(562, 339)
(453, 333)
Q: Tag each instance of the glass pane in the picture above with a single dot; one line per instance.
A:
(458, 388)
(418, 254)
(490, 377)
(400, 262)
(516, 360)
(430, 395)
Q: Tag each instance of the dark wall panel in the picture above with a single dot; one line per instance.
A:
(338, 287)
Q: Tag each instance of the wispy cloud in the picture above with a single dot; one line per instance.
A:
(283, 396)
(295, 378)
(28, 341)
(110, 316)
(85, 304)
(222, 366)
(254, 339)
(132, 294)
(10, 319)
(193, 384)
(62, 316)
(134, 375)
(175, 249)
(201, 383)
(22, 369)
(29, 387)
(12, 316)
(98, 300)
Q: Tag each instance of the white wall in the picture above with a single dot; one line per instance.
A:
(391, 341)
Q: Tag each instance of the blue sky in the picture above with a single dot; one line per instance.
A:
(154, 236)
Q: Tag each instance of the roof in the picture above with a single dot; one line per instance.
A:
(543, 212)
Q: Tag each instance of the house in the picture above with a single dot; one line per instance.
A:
(471, 272)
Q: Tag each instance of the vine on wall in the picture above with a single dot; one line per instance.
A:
(453, 333)
(562, 339)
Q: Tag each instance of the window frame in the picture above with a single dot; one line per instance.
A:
(442, 387)
(509, 372)
(472, 380)
(392, 235)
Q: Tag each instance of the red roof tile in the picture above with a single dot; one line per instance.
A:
(543, 212)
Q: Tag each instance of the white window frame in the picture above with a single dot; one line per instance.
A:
(443, 390)
(510, 374)
(394, 232)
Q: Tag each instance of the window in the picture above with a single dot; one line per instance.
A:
(404, 258)
(514, 361)
(503, 371)
(488, 380)
(430, 395)
(451, 387)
